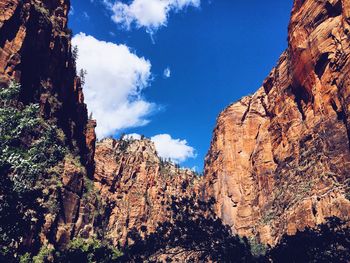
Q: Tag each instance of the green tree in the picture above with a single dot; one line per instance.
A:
(88, 251)
(29, 147)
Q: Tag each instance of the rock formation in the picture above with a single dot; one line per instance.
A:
(36, 51)
(279, 160)
(136, 187)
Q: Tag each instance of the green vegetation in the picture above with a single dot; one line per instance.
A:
(257, 249)
(88, 251)
(29, 150)
(44, 255)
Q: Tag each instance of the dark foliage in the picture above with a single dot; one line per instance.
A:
(86, 251)
(193, 233)
(329, 242)
(28, 148)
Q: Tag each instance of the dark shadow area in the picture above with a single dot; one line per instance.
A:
(329, 242)
(192, 234)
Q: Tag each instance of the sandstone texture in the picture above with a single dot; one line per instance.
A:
(36, 51)
(136, 187)
(279, 160)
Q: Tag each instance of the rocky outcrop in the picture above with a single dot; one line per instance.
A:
(36, 51)
(279, 160)
(136, 187)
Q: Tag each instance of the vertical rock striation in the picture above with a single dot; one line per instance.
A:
(279, 160)
(136, 187)
(36, 51)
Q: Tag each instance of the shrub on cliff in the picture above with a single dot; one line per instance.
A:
(29, 147)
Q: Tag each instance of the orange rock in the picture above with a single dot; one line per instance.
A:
(279, 159)
(35, 50)
(136, 186)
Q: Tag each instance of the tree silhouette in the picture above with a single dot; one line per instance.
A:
(193, 233)
(329, 242)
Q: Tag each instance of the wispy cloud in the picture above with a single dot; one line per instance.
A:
(86, 15)
(149, 14)
(167, 73)
(115, 80)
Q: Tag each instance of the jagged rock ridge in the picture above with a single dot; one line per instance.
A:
(136, 187)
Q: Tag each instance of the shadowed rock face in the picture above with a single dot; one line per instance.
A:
(136, 187)
(35, 50)
(279, 160)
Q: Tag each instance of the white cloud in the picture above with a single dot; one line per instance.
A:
(113, 84)
(167, 73)
(132, 136)
(150, 14)
(176, 149)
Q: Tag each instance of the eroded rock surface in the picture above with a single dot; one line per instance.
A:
(279, 160)
(136, 187)
(36, 51)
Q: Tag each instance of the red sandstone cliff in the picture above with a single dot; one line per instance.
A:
(136, 187)
(279, 160)
(35, 50)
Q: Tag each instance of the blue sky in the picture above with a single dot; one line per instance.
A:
(215, 51)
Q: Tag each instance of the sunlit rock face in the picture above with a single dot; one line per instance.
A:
(136, 187)
(279, 160)
(36, 51)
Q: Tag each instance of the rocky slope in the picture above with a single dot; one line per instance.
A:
(279, 160)
(35, 51)
(136, 187)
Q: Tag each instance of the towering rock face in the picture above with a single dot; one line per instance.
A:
(279, 160)
(136, 187)
(35, 50)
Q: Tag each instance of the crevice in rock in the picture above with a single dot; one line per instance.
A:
(301, 96)
(340, 113)
(268, 84)
(267, 113)
(246, 112)
(342, 116)
(321, 64)
(304, 140)
(10, 28)
(334, 10)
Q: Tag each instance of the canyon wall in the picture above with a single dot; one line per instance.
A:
(136, 187)
(279, 160)
(36, 51)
